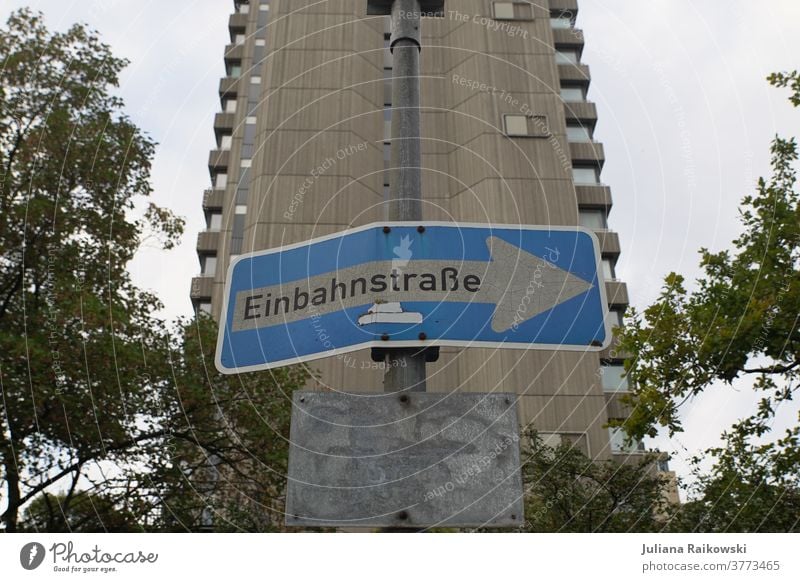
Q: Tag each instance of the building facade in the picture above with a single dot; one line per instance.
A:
(303, 151)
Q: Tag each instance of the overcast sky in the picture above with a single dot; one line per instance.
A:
(685, 115)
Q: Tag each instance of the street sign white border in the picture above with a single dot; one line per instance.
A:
(411, 343)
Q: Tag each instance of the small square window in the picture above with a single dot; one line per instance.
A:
(241, 209)
(504, 11)
(225, 142)
(239, 39)
(255, 80)
(221, 181)
(516, 125)
(264, 7)
(251, 120)
(235, 70)
(243, 8)
(246, 163)
(261, 42)
(230, 106)
(526, 126)
(204, 307)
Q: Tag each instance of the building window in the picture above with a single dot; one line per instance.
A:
(246, 163)
(225, 142)
(586, 175)
(214, 221)
(526, 126)
(617, 437)
(594, 218)
(209, 265)
(574, 440)
(239, 38)
(562, 21)
(220, 181)
(264, 7)
(243, 8)
(241, 209)
(615, 318)
(568, 56)
(261, 42)
(614, 379)
(235, 70)
(230, 106)
(512, 11)
(573, 93)
(251, 120)
(204, 307)
(578, 132)
(255, 80)
(608, 270)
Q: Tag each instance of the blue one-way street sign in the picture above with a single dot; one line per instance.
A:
(400, 285)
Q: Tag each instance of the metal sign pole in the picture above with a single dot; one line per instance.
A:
(405, 367)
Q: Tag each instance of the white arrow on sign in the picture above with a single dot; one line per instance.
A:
(520, 284)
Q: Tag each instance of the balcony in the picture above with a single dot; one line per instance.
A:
(591, 152)
(617, 293)
(597, 195)
(208, 242)
(574, 73)
(213, 199)
(234, 52)
(218, 159)
(609, 242)
(202, 287)
(228, 86)
(564, 5)
(582, 111)
(237, 22)
(568, 36)
(223, 122)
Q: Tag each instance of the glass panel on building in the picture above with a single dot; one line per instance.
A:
(577, 132)
(594, 218)
(586, 175)
(614, 379)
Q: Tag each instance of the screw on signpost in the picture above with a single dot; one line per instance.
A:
(405, 367)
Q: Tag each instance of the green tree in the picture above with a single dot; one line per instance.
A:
(97, 392)
(738, 322)
(565, 491)
(228, 440)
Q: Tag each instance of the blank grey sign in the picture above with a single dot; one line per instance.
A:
(410, 460)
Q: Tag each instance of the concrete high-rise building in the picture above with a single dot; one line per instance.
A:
(303, 143)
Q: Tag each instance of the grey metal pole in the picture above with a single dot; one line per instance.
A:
(405, 367)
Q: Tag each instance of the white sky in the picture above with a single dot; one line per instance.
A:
(685, 115)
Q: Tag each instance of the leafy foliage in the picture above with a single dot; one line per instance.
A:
(568, 492)
(739, 322)
(97, 392)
